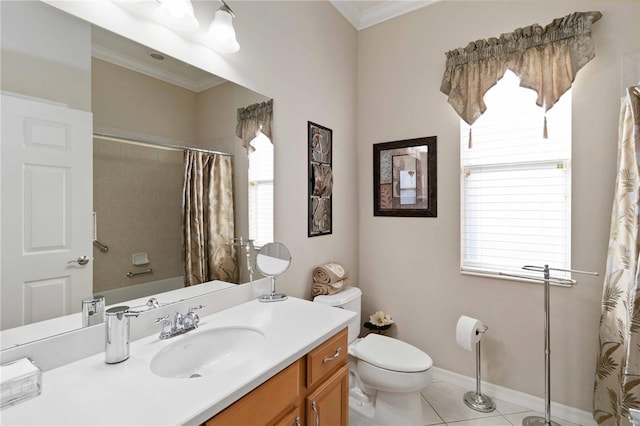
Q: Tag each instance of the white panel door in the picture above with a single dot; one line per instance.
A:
(47, 198)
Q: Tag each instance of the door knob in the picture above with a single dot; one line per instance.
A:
(82, 260)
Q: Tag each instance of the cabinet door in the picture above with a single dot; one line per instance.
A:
(293, 418)
(328, 404)
(266, 403)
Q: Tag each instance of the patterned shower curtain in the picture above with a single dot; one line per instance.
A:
(207, 218)
(617, 380)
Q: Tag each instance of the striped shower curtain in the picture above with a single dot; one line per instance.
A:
(207, 218)
(617, 379)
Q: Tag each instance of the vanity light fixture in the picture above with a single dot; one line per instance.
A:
(177, 15)
(221, 35)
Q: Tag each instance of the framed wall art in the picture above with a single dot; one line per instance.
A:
(320, 141)
(405, 178)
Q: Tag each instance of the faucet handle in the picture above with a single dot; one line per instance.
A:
(153, 303)
(161, 319)
(192, 319)
(166, 326)
(195, 308)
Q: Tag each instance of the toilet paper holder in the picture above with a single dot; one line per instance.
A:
(476, 400)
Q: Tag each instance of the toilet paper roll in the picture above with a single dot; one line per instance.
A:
(467, 332)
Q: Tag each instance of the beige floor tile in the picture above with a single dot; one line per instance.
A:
(447, 402)
(487, 421)
(356, 420)
(516, 419)
(429, 415)
(504, 407)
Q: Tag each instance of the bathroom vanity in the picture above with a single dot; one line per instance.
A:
(292, 369)
(315, 388)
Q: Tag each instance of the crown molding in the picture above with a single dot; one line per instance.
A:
(117, 58)
(349, 11)
(377, 14)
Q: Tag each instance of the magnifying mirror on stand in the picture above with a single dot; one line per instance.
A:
(273, 260)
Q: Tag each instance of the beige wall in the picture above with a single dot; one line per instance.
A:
(410, 266)
(134, 102)
(55, 49)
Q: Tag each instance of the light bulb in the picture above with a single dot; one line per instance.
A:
(221, 36)
(177, 15)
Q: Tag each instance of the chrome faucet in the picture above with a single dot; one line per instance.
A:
(179, 324)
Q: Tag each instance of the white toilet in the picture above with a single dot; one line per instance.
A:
(386, 374)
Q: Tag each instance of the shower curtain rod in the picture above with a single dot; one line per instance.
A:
(156, 144)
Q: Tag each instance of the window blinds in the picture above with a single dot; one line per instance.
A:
(261, 191)
(515, 185)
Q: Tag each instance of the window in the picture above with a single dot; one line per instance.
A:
(261, 191)
(515, 185)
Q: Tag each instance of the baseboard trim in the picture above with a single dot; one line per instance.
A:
(531, 402)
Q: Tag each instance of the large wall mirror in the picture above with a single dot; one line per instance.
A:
(147, 108)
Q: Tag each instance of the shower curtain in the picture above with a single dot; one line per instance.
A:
(617, 379)
(207, 218)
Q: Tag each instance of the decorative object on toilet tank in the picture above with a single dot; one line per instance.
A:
(379, 322)
(329, 278)
(405, 178)
(320, 181)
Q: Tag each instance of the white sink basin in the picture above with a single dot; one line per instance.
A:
(207, 352)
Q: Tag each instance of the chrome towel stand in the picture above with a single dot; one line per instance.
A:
(548, 279)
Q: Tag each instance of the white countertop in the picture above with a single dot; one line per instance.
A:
(92, 392)
(43, 329)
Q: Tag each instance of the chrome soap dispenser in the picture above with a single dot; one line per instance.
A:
(117, 332)
(93, 310)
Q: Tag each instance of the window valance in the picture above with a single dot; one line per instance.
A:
(254, 118)
(545, 59)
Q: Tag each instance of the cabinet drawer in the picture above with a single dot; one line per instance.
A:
(326, 358)
(267, 402)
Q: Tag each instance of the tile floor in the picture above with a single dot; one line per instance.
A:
(443, 405)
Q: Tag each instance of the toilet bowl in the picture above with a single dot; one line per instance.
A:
(386, 374)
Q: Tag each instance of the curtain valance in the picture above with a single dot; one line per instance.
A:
(254, 118)
(545, 59)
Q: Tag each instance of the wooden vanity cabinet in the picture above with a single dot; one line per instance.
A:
(327, 395)
(314, 390)
(293, 418)
(327, 405)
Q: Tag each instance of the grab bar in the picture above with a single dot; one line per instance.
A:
(135, 274)
(97, 243)
(103, 248)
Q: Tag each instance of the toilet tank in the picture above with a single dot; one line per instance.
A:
(349, 299)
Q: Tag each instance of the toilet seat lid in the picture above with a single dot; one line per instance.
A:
(392, 354)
